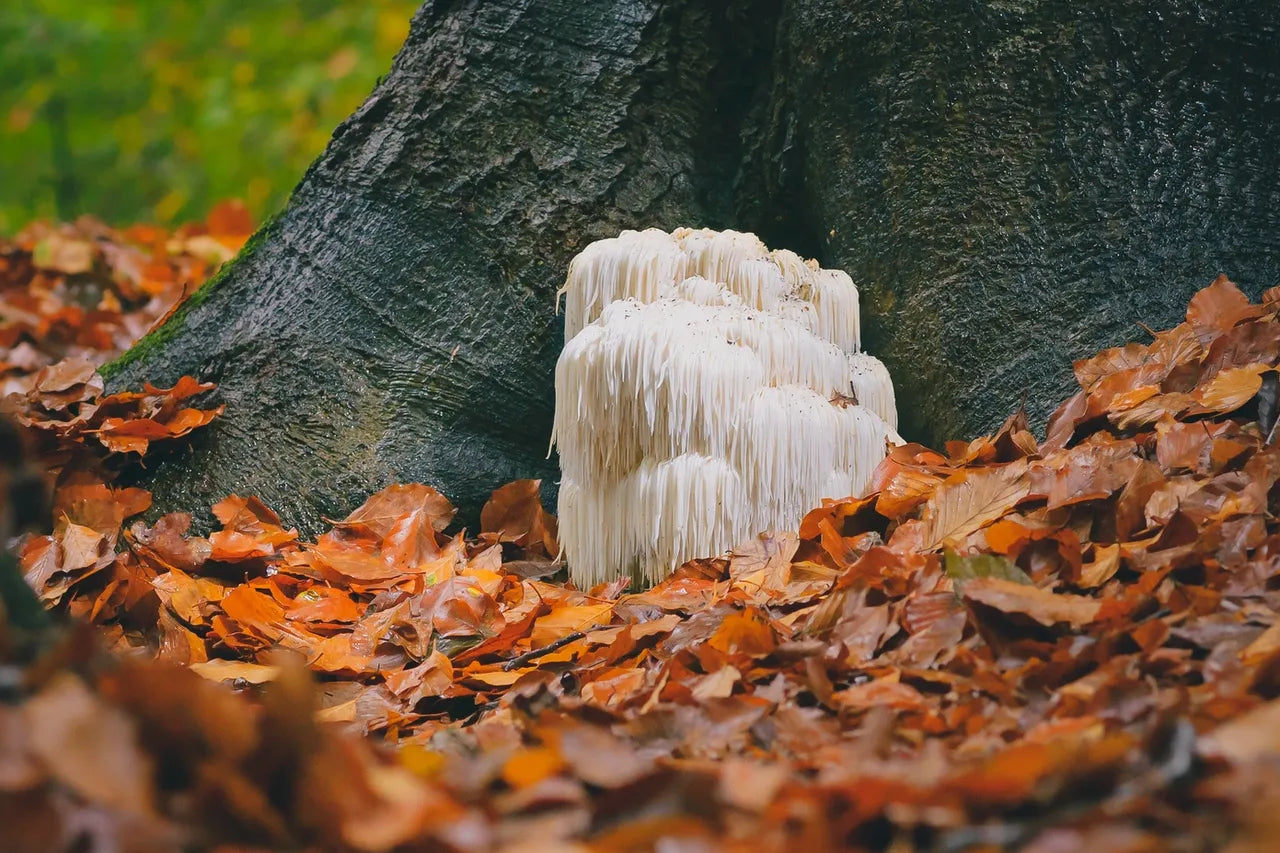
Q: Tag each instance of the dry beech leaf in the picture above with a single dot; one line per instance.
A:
(961, 506)
(1252, 736)
(1103, 566)
(380, 513)
(565, 620)
(230, 670)
(89, 746)
(888, 673)
(1047, 608)
(515, 513)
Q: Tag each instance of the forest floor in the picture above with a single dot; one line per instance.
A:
(1046, 645)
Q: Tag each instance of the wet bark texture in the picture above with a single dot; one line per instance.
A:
(1018, 184)
(1012, 184)
(396, 322)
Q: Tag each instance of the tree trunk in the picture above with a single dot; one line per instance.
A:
(397, 321)
(1014, 184)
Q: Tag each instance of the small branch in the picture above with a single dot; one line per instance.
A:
(534, 654)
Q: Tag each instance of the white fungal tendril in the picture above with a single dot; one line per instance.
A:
(872, 386)
(703, 396)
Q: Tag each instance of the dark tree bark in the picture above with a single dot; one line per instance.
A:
(1014, 184)
(397, 321)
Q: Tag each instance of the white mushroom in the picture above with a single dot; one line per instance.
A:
(702, 396)
(872, 386)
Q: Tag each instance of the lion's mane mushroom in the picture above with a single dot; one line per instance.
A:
(708, 389)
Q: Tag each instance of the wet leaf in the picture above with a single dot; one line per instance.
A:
(1047, 608)
(1217, 308)
(380, 513)
(963, 569)
(1231, 388)
(968, 502)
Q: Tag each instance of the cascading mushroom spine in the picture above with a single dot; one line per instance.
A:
(708, 389)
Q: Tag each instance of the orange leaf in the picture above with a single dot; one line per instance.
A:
(1231, 389)
(530, 766)
(745, 632)
(254, 611)
(880, 692)
(432, 677)
(614, 686)
(324, 604)
(1106, 562)
(970, 500)
(562, 621)
(515, 513)
(1218, 307)
(381, 512)
(1047, 608)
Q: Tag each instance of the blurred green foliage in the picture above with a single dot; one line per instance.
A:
(152, 110)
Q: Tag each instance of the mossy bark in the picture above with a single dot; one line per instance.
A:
(1014, 184)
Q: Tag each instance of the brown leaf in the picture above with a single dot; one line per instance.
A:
(228, 670)
(168, 543)
(81, 547)
(1252, 736)
(89, 746)
(1103, 566)
(432, 677)
(381, 512)
(412, 543)
(1086, 472)
(881, 693)
(515, 513)
(255, 612)
(1063, 422)
(1089, 371)
(968, 501)
(613, 687)
(1230, 389)
(599, 758)
(124, 435)
(190, 598)
(1218, 307)
(1047, 608)
(458, 607)
(564, 620)
(324, 604)
(251, 530)
(764, 563)
(746, 632)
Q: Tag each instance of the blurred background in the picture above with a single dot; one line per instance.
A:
(153, 110)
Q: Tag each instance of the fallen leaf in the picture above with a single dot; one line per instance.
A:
(1218, 307)
(229, 670)
(565, 620)
(1047, 608)
(967, 502)
(89, 746)
(380, 513)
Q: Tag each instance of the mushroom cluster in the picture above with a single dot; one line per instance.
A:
(708, 389)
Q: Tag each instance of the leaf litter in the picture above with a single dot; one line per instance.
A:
(1010, 644)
